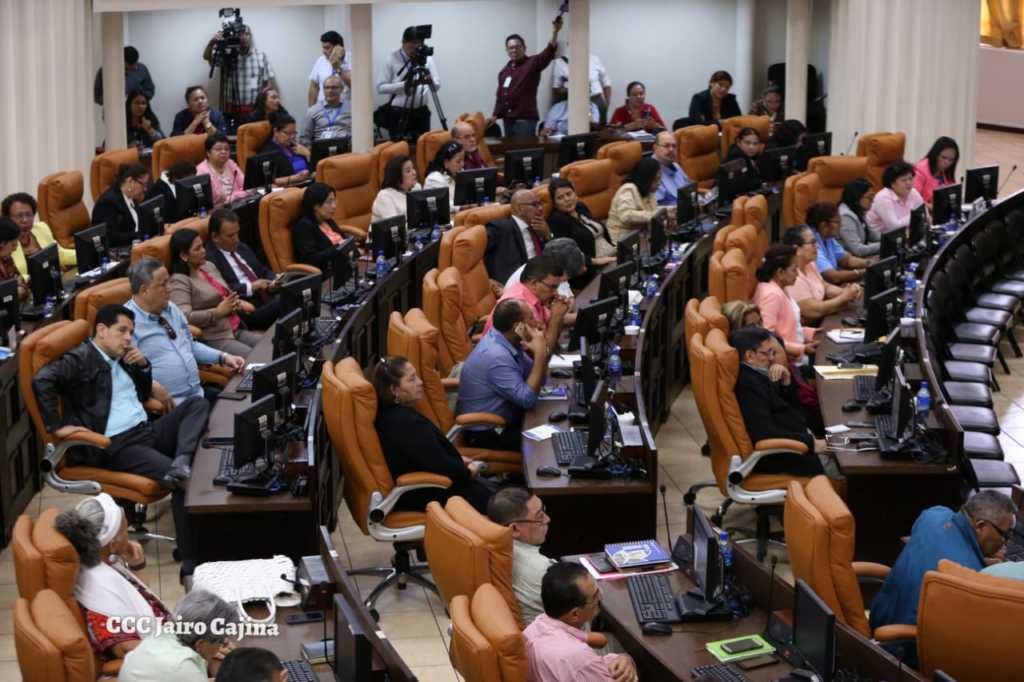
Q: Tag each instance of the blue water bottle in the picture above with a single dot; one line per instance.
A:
(48, 305)
(381, 266)
(725, 549)
(634, 315)
(909, 289)
(435, 234)
(923, 405)
(614, 367)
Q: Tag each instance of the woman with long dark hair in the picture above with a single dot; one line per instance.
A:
(399, 179)
(635, 203)
(937, 168)
(854, 234)
(316, 234)
(779, 312)
(715, 103)
(571, 218)
(447, 163)
(268, 103)
(143, 125)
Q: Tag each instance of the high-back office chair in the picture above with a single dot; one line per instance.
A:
(699, 153)
(824, 181)
(103, 169)
(730, 276)
(430, 299)
(454, 328)
(444, 253)
(787, 216)
(371, 493)
(468, 257)
(89, 300)
(426, 149)
(386, 151)
(880, 149)
(43, 557)
(170, 149)
(747, 239)
(279, 212)
(481, 215)
(595, 184)
(477, 121)
(50, 643)
(624, 155)
(354, 179)
(59, 197)
(751, 211)
(251, 138)
(487, 645)
(732, 126)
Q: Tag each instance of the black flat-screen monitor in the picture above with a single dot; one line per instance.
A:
(277, 379)
(734, 179)
(918, 228)
(388, 237)
(261, 169)
(303, 294)
(687, 205)
(893, 243)
(883, 314)
(815, 144)
(814, 631)
(91, 247)
(326, 148)
(588, 375)
(191, 195)
(902, 405)
(425, 208)
(946, 203)
(254, 430)
(44, 274)
(152, 212)
(594, 321)
(707, 562)
(889, 360)
(10, 308)
(598, 419)
(477, 186)
(880, 276)
(524, 166)
(628, 248)
(618, 280)
(353, 651)
(344, 264)
(656, 238)
(982, 182)
(573, 148)
(777, 164)
(287, 333)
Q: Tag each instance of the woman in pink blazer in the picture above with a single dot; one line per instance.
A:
(226, 180)
(779, 312)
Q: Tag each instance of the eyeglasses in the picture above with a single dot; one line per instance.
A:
(549, 285)
(594, 598)
(770, 353)
(166, 326)
(541, 517)
(1004, 534)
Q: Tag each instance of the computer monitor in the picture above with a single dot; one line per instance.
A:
(287, 332)
(344, 264)
(191, 195)
(687, 205)
(588, 374)
(327, 147)
(893, 243)
(303, 294)
(91, 247)
(940, 676)
(918, 228)
(261, 169)
(353, 652)
(576, 148)
(598, 419)
(707, 562)
(477, 186)
(524, 166)
(888, 361)
(254, 431)
(10, 308)
(594, 321)
(880, 276)
(618, 280)
(777, 164)
(946, 203)
(734, 179)
(883, 314)
(982, 182)
(628, 248)
(816, 144)
(44, 274)
(151, 216)
(814, 631)
(425, 208)
(902, 404)
(656, 239)
(388, 236)
(277, 379)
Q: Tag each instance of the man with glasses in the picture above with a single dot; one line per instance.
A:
(162, 334)
(327, 119)
(524, 513)
(516, 99)
(514, 240)
(973, 537)
(556, 642)
(672, 175)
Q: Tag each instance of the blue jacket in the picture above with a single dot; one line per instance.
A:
(938, 533)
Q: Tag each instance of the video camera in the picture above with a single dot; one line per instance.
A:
(229, 46)
(420, 54)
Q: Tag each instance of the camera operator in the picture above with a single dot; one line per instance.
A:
(407, 109)
(245, 69)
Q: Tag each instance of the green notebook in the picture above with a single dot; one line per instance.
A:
(716, 649)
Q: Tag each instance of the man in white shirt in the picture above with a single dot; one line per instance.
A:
(524, 513)
(334, 60)
(600, 84)
(407, 115)
(513, 241)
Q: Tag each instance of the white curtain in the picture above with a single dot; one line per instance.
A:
(46, 113)
(904, 65)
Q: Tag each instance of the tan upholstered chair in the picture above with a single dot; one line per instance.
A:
(444, 254)
(103, 168)
(251, 138)
(825, 179)
(170, 149)
(355, 183)
(385, 152)
(486, 645)
(880, 149)
(624, 155)
(731, 128)
(59, 198)
(426, 149)
(468, 256)
(50, 643)
(477, 121)
(454, 327)
(481, 215)
(698, 152)
(279, 212)
(594, 182)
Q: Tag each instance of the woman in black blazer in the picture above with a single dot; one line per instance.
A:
(747, 147)
(571, 218)
(316, 234)
(411, 442)
(715, 103)
(112, 210)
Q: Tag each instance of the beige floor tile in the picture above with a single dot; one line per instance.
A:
(394, 600)
(405, 625)
(6, 622)
(434, 673)
(422, 651)
(7, 651)
(10, 672)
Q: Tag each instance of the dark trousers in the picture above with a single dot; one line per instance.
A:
(521, 127)
(409, 124)
(790, 463)
(474, 491)
(510, 438)
(264, 315)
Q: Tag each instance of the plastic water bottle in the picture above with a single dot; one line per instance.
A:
(634, 315)
(202, 211)
(435, 234)
(923, 405)
(381, 266)
(614, 366)
(417, 243)
(48, 305)
(725, 549)
(909, 289)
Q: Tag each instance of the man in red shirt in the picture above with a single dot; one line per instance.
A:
(516, 98)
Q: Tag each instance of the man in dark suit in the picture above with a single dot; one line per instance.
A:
(117, 208)
(242, 269)
(513, 241)
(762, 388)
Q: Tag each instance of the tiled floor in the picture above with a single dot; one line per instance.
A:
(415, 619)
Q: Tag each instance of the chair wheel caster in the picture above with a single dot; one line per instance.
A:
(375, 615)
(689, 499)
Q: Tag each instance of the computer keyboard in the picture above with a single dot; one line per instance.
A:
(340, 297)
(652, 262)
(885, 425)
(863, 388)
(299, 671)
(719, 673)
(568, 446)
(227, 473)
(326, 328)
(245, 385)
(653, 599)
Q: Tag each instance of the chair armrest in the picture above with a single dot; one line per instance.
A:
(357, 232)
(889, 633)
(475, 419)
(303, 268)
(381, 506)
(741, 468)
(207, 375)
(50, 464)
(450, 383)
(869, 569)
(780, 444)
(84, 436)
(419, 478)
(197, 333)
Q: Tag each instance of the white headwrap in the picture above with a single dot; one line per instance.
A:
(112, 517)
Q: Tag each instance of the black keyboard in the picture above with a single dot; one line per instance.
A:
(719, 673)
(326, 328)
(245, 385)
(299, 671)
(863, 388)
(885, 425)
(340, 297)
(568, 446)
(227, 473)
(653, 262)
(653, 599)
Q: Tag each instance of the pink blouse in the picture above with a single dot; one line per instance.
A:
(888, 212)
(780, 315)
(925, 183)
(222, 194)
(809, 284)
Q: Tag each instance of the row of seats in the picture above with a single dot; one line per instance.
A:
(738, 250)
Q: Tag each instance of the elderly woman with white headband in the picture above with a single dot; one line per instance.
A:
(105, 588)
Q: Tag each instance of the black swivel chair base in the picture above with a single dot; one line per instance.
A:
(135, 514)
(399, 574)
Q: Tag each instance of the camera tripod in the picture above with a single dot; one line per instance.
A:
(418, 75)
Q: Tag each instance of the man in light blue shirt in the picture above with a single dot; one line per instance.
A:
(834, 263)
(499, 377)
(162, 334)
(557, 120)
(672, 175)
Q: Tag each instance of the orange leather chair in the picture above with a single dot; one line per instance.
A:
(251, 138)
(278, 213)
(355, 183)
(468, 256)
(477, 121)
(426, 149)
(385, 152)
(731, 128)
(624, 154)
(170, 149)
(431, 301)
(788, 216)
(698, 152)
(730, 276)
(50, 642)
(455, 337)
(444, 254)
(594, 182)
(43, 558)
(160, 247)
(748, 239)
(752, 211)
(59, 197)
(880, 149)
(487, 645)
(103, 168)
(350, 408)
(825, 179)
(481, 215)
(200, 225)
(711, 310)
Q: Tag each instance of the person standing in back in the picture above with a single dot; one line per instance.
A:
(715, 103)
(516, 98)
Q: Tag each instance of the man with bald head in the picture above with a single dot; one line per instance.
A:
(672, 176)
(327, 119)
(464, 133)
(513, 241)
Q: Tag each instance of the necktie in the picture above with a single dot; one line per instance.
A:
(250, 275)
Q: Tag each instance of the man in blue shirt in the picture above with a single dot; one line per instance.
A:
(834, 263)
(672, 175)
(499, 377)
(162, 334)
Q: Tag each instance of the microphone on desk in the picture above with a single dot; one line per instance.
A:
(1006, 180)
(664, 505)
(771, 593)
(856, 134)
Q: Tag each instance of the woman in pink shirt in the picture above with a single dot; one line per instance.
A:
(816, 297)
(890, 210)
(937, 168)
(779, 312)
(226, 180)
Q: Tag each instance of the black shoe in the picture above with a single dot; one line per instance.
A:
(181, 468)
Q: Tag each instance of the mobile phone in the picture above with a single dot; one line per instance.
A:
(304, 617)
(601, 563)
(520, 330)
(756, 661)
(741, 645)
(231, 395)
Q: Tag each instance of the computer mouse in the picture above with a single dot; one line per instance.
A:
(655, 628)
(549, 471)
(556, 417)
(560, 373)
(851, 406)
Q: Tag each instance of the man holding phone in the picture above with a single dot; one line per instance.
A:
(242, 270)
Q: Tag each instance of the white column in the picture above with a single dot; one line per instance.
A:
(115, 126)
(798, 41)
(579, 66)
(743, 74)
(362, 77)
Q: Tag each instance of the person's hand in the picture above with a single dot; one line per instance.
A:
(147, 125)
(218, 36)
(602, 261)
(23, 290)
(650, 124)
(490, 121)
(300, 176)
(304, 152)
(134, 356)
(235, 363)
(225, 649)
(546, 132)
(496, 288)
(198, 120)
(226, 306)
(132, 553)
(559, 307)
(535, 342)
(855, 292)
(474, 468)
(779, 373)
(336, 57)
(261, 285)
(811, 346)
(622, 669)
(163, 396)
(557, 24)
(540, 226)
(820, 446)
(245, 307)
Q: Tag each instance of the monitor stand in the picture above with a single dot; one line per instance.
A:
(693, 607)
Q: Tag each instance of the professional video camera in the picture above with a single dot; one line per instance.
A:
(226, 50)
(420, 54)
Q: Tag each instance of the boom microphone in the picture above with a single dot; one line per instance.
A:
(1006, 180)
(856, 134)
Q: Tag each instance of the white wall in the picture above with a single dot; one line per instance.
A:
(998, 104)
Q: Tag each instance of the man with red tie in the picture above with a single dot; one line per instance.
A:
(242, 269)
(513, 241)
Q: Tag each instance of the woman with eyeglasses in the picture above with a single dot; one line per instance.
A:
(816, 297)
(227, 182)
(33, 235)
(291, 164)
(779, 312)
(834, 263)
